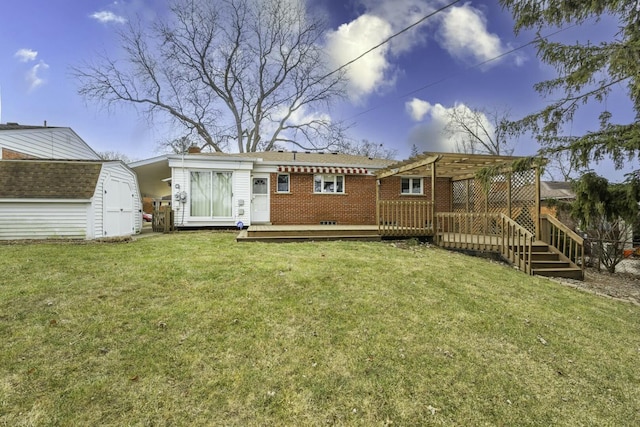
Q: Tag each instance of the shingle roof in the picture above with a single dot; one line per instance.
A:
(36, 179)
(290, 157)
(16, 126)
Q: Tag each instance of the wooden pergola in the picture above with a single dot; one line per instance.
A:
(507, 191)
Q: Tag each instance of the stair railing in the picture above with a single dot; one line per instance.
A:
(566, 241)
(516, 244)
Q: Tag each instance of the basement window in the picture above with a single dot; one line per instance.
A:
(328, 183)
(411, 186)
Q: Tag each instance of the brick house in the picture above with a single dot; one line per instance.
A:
(276, 187)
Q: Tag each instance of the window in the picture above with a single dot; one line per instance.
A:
(283, 183)
(411, 186)
(211, 194)
(326, 183)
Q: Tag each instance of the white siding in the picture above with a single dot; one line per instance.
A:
(242, 191)
(119, 172)
(180, 174)
(47, 143)
(43, 220)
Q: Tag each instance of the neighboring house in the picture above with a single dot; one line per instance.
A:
(42, 142)
(556, 191)
(275, 187)
(53, 185)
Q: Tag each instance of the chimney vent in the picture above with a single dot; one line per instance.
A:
(193, 149)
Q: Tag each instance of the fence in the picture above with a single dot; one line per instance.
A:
(163, 219)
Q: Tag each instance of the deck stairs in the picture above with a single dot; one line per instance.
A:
(546, 260)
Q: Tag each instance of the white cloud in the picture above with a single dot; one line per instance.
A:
(26, 55)
(418, 108)
(429, 134)
(105, 17)
(464, 35)
(34, 75)
(400, 14)
(369, 73)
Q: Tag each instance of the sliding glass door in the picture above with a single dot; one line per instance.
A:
(211, 194)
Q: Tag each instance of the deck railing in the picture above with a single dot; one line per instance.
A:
(517, 244)
(486, 232)
(405, 218)
(555, 233)
(473, 231)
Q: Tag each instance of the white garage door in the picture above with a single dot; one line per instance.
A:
(118, 203)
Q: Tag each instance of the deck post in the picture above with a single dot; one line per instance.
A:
(433, 188)
(378, 204)
(537, 221)
(509, 194)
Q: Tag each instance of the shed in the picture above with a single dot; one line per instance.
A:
(69, 199)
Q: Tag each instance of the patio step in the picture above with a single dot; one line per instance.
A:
(298, 233)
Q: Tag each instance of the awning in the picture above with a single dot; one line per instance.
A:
(323, 169)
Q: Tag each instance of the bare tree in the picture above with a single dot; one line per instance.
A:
(114, 155)
(560, 166)
(249, 72)
(368, 149)
(478, 130)
(180, 145)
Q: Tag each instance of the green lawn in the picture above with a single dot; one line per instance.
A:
(196, 329)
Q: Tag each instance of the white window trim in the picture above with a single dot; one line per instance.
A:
(411, 179)
(190, 194)
(288, 183)
(344, 181)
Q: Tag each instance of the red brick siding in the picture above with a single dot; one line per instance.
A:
(14, 155)
(356, 206)
(390, 189)
(302, 206)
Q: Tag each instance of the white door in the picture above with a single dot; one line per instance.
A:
(118, 208)
(260, 198)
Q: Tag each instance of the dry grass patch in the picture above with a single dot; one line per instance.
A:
(196, 329)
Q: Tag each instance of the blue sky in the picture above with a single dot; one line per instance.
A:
(398, 95)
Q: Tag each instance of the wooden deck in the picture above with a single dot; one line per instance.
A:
(293, 233)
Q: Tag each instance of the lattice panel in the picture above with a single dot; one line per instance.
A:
(460, 196)
(523, 199)
(471, 196)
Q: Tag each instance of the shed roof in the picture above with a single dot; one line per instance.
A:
(47, 179)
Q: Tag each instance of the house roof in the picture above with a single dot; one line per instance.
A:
(304, 158)
(556, 190)
(292, 157)
(48, 179)
(456, 166)
(16, 126)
